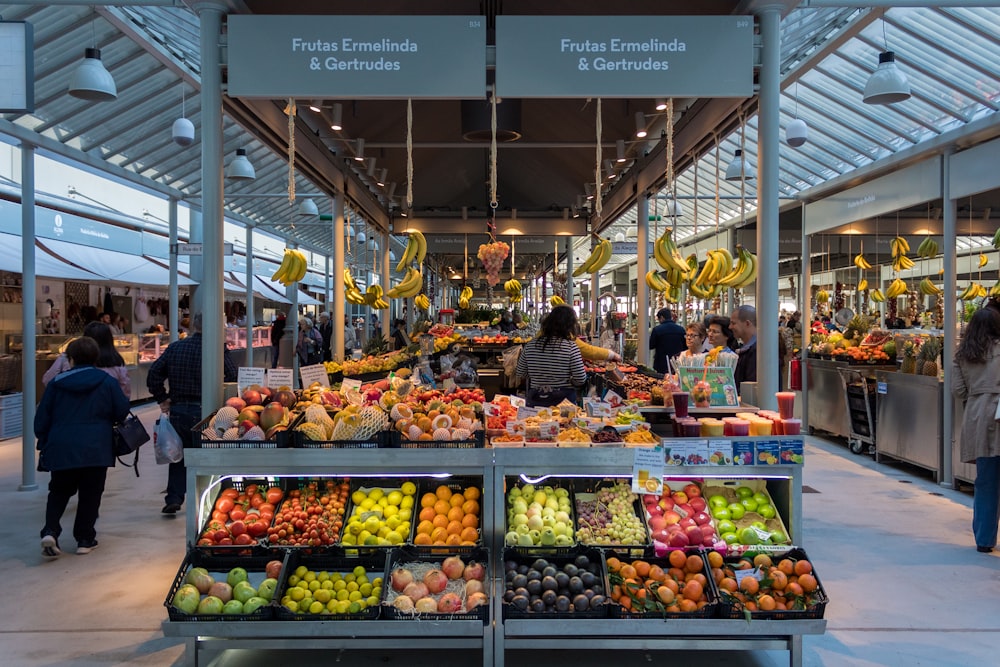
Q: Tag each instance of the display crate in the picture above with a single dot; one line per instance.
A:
(536, 550)
(520, 560)
(302, 484)
(260, 546)
(586, 490)
(282, 439)
(331, 562)
(409, 554)
(731, 607)
(219, 567)
(395, 440)
(300, 441)
(457, 485)
(727, 488)
(367, 485)
(656, 609)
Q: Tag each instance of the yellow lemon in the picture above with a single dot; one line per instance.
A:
(395, 497)
(375, 494)
(409, 488)
(406, 502)
(358, 497)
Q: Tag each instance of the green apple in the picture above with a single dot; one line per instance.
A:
(562, 493)
(540, 498)
(528, 491)
(766, 511)
(749, 504)
(744, 492)
(210, 605)
(717, 501)
(736, 511)
(731, 538)
(536, 536)
(547, 537)
(725, 526)
(510, 539)
(233, 607)
(520, 520)
(243, 591)
(563, 540)
(721, 513)
(749, 536)
(520, 507)
(522, 529)
(266, 589)
(761, 498)
(187, 598)
(253, 604)
(552, 503)
(535, 523)
(236, 575)
(524, 540)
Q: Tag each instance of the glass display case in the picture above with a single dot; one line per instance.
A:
(152, 345)
(128, 346)
(47, 346)
(236, 337)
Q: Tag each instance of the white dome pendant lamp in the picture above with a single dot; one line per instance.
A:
(91, 81)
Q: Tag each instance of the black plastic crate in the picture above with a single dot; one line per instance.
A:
(260, 546)
(731, 607)
(219, 567)
(282, 439)
(396, 440)
(457, 485)
(583, 488)
(538, 549)
(300, 441)
(653, 608)
(304, 486)
(410, 554)
(387, 485)
(517, 559)
(333, 562)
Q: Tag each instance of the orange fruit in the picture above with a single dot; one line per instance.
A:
(456, 500)
(693, 590)
(439, 535)
(455, 514)
(641, 568)
(425, 436)
(427, 513)
(442, 507)
(715, 559)
(665, 595)
(627, 572)
(656, 573)
(453, 540)
(439, 521)
(425, 528)
(766, 603)
(762, 561)
(677, 558)
(672, 585)
(677, 574)
(803, 567)
(727, 584)
(442, 492)
(787, 566)
(687, 606)
(694, 564)
(424, 423)
(470, 521)
(469, 534)
(422, 539)
(793, 589)
(779, 580)
(749, 585)
(614, 564)
(454, 528)
(428, 500)
(808, 582)
(472, 493)
(433, 413)
(470, 507)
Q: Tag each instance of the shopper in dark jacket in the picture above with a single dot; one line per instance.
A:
(73, 424)
(743, 322)
(667, 339)
(326, 331)
(277, 331)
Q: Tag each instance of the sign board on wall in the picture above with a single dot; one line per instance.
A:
(17, 67)
(357, 56)
(624, 56)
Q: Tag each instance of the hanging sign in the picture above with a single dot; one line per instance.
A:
(428, 57)
(624, 56)
(720, 378)
(249, 376)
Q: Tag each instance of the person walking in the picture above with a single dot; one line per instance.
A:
(307, 347)
(277, 331)
(743, 322)
(73, 424)
(976, 382)
(179, 367)
(108, 359)
(551, 362)
(667, 338)
(350, 337)
(326, 333)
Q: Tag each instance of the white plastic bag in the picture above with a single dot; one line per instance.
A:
(166, 443)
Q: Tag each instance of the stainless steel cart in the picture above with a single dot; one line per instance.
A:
(860, 396)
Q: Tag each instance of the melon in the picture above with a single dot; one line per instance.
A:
(401, 411)
(462, 434)
(414, 432)
(441, 434)
(254, 433)
(224, 419)
(231, 433)
(441, 422)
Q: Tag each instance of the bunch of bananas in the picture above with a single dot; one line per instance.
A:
(668, 256)
(655, 282)
(373, 297)
(877, 296)
(863, 285)
(896, 288)
(973, 291)
(416, 250)
(719, 263)
(513, 289)
(555, 300)
(465, 298)
(928, 287)
(410, 286)
(422, 302)
(995, 290)
(673, 294)
(743, 272)
(822, 296)
(351, 291)
(292, 269)
(928, 248)
(599, 256)
(898, 248)
(983, 259)
(704, 291)
(861, 262)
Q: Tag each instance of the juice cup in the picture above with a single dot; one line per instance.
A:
(792, 426)
(740, 427)
(713, 428)
(692, 429)
(786, 404)
(680, 403)
(760, 427)
(777, 427)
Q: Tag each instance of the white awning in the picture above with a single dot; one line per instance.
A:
(112, 266)
(304, 298)
(46, 266)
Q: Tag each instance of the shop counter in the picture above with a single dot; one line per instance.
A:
(910, 414)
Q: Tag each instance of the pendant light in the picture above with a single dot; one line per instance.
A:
(887, 84)
(240, 168)
(640, 124)
(739, 168)
(182, 131)
(796, 132)
(307, 207)
(336, 122)
(91, 81)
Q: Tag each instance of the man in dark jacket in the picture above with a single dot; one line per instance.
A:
(277, 331)
(73, 425)
(667, 339)
(743, 322)
(326, 332)
(180, 368)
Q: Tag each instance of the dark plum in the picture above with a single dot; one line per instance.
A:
(549, 597)
(581, 603)
(588, 578)
(596, 601)
(575, 585)
(519, 581)
(549, 584)
(582, 561)
(562, 579)
(521, 602)
(562, 603)
(571, 570)
(538, 606)
(549, 571)
(540, 564)
(535, 586)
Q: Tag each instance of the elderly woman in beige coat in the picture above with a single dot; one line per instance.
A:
(976, 373)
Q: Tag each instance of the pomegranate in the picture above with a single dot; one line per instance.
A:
(426, 605)
(475, 600)
(436, 581)
(416, 590)
(474, 570)
(453, 567)
(473, 586)
(403, 603)
(449, 604)
(401, 578)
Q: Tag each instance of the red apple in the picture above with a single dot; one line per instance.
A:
(654, 510)
(684, 509)
(692, 490)
(671, 517)
(698, 503)
(660, 536)
(678, 540)
(679, 497)
(694, 534)
(657, 523)
(650, 498)
(687, 522)
(701, 518)
(666, 503)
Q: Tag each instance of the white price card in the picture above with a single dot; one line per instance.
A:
(613, 399)
(280, 377)
(647, 470)
(350, 383)
(524, 413)
(249, 376)
(490, 410)
(314, 373)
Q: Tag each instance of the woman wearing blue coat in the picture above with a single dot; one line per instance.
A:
(73, 424)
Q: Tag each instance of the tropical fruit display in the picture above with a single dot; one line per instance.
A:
(428, 587)
(380, 516)
(539, 516)
(449, 516)
(311, 516)
(258, 414)
(680, 585)
(210, 588)
(571, 585)
(772, 586)
(332, 588)
(241, 516)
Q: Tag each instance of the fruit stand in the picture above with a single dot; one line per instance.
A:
(497, 469)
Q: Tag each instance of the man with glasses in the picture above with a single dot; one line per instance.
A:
(743, 322)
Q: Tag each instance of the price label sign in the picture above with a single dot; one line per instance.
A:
(280, 377)
(350, 383)
(249, 376)
(647, 470)
(314, 373)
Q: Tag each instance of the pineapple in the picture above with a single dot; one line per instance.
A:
(929, 352)
(909, 358)
(857, 327)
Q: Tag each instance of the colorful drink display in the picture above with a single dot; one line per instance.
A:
(680, 399)
(786, 404)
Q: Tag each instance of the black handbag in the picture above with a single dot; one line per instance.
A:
(128, 437)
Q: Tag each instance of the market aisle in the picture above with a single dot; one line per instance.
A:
(894, 552)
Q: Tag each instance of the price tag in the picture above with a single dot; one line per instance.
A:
(612, 398)
(549, 429)
(350, 383)
(517, 401)
(753, 573)
(314, 373)
(490, 410)
(249, 376)
(882, 388)
(280, 377)
(515, 427)
(647, 470)
(524, 413)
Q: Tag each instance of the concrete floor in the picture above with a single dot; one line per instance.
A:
(894, 551)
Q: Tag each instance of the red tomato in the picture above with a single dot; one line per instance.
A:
(257, 528)
(274, 495)
(221, 517)
(256, 500)
(243, 539)
(237, 528)
(229, 493)
(251, 489)
(266, 507)
(237, 514)
(224, 504)
(205, 542)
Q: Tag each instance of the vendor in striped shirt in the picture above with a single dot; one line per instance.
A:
(551, 362)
